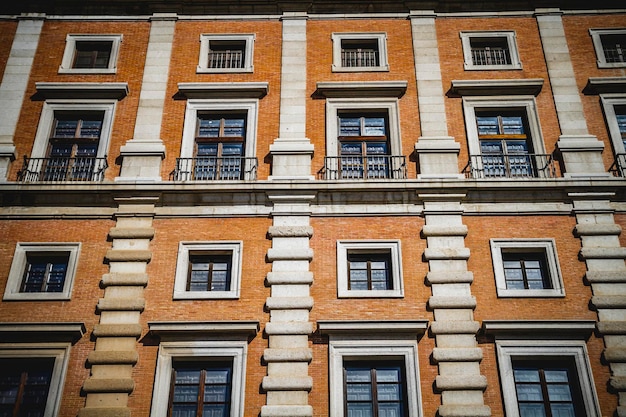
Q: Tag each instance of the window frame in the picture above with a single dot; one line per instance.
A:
(344, 247)
(169, 351)
(59, 352)
(205, 40)
(596, 35)
(20, 261)
(547, 246)
(70, 50)
(510, 350)
(609, 102)
(185, 249)
(511, 39)
(379, 37)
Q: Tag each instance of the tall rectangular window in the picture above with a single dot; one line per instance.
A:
(375, 389)
(24, 386)
(201, 389)
(220, 146)
(364, 145)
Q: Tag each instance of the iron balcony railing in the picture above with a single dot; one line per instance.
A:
(615, 54)
(359, 58)
(618, 169)
(364, 167)
(210, 168)
(511, 166)
(490, 56)
(61, 169)
(226, 59)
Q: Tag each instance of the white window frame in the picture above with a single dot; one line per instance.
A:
(511, 40)
(59, 352)
(198, 350)
(547, 246)
(182, 269)
(510, 350)
(609, 101)
(249, 106)
(597, 45)
(205, 40)
(334, 106)
(70, 49)
(379, 37)
(392, 246)
(360, 347)
(18, 266)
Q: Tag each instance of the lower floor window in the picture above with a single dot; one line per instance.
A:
(201, 389)
(374, 390)
(24, 386)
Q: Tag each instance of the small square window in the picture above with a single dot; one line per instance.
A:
(208, 270)
(226, 53)
(42, 271)
(526, 268)
(369, 269)
(490, 50)
(354, 52)
(610, 47)
(95, 54)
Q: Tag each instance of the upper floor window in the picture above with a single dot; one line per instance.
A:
(209, 272)
(360, 52)
(614, 106)
(24, 386)
(490, 50)
(610, 47)
(364, 145)
(91, 54)
(226, 53)
(375, 389)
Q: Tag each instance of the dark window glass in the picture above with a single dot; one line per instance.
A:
(375, 390)
(45, 272)
(92, 54)
(209, 272)
(614, 47)
(526, 270)
(620, 114)
(201, 389)
(369, 271)
(24, 386)
(364, 146)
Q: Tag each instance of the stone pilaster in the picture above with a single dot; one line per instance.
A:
(582, 152)
(454, 328)
(142, 155)
(437, 151)
(606, 273)
(115, 353)
(14, 84)
(288, 383)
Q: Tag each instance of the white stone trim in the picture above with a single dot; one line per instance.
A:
(367, 246)
(205, 40)
(215, 349)
(509, 350)
(373, 347)
(59, 352)
(509, 36)
(379, 37)
(249, 106)
(182, 269)
(597, 45)
(70, 49)
(16, 274)
(547, 246)
(609, 101)
(335, 105)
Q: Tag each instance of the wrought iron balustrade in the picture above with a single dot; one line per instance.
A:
(618, 169)
(359, 58)
(210, 168)
(226, 59)
(491, 56)
(516, 166)
(62, 169)
(357, 167)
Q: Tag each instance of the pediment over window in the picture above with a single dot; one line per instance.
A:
(54, 90)
(557, 329)
(223, 90)
(525, 86)
(602, 85)
(367, 326)
(351, 89)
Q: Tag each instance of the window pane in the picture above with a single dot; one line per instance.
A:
(529, 392)
(390, 410)
(65, 128)
(349, 126)
(359, 392)
(526, 375)
(209, 128)
(512, 125)
(559, 393)
(232, 149)
(556, 375)
(187, 376)
(234, 127)
(185, 393)
(183, 410)
(487, 125)
(388, 375)
(389, 392)
(531, 410)
(215, 410)
(490, 146)
(562, 410)
(217, 376)
(360, 410)
(216, 394)
(374, 126)
(358, 375)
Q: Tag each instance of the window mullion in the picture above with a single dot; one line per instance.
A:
(201, 388)
(544, 392)
(374, 392)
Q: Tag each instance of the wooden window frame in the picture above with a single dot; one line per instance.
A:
(211, 258)
(369, 258)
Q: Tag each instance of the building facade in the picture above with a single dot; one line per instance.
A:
(293, 209)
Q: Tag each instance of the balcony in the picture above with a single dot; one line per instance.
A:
(62, 169)
(215, 169)
(511, 166)
(618, 169)
(357, 167)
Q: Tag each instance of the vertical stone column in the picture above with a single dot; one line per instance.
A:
(14, 84)
(606, 273)
(454, 328)
(582, 152)
(115, 354)
(142, 155)
(437, 151)
(292, 151)
(288, 383)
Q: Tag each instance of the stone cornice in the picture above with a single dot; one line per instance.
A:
(546, 329)
(223, 90)
(202, 329)
(80, 90)
(523, 86)
(41, 332)
(371, 326)
(352, 89)
(602, 85)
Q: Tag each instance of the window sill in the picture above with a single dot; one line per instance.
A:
(206, 295)
(370, 294)
(383, 68)
(469, 67)
(87, 70)
(531, 293)
(201, 70)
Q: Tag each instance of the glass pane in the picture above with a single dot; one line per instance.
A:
(490, 146)
(358, 275)
(65, 128)
(359, 392)
(186, 393)
(513, 274)
(358, 375)
(216, 394)
(526, 375)
(90, 129)
(374, 126)
(532, 410)
(388, 392)
(512, 125)
(559, 393)
(207, 149)
(183, 410)
(515, 285)
(215, 410)
(360, 410)
(209, 128)
(562, 410)
(217, 376)
(351, 148)
(517, 147)
(349, 126)
(376, 148)
(487, 125)
(232, 149)
(556, 375)
(191, 376)
(390, 410)
(530, 392)
(621, 122)
(388, 375)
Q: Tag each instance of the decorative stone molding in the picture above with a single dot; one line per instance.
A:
(457, 355)
(80, 90)
(530, 86)
(125, 255)
(294, 278)
(287, 303)
(117, 330)
(351, 89)
(599, 276)
(608, 252)
(454, 327)
(287, 355)
(438, 301)
(571, 329)
(449, 277)
(597, 229)
(124, 279)
(223, 90)
(44, 332)
(461, 382)
(287, 383)
(446, 253)
(281, 254)
(438, 230)
(290, 231)
(121, 304)
(417, 327)
(113, 357)
(131, 233)
(168, 330)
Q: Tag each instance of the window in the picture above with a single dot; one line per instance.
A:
(369, 269)
(360, 52)
(42, 271)
(490, 50)
(91, 54)
(614, 106)
(208, 270)
(610, 47)
(504, 138)
(375, 389)
(226, 53)
(219, 141)
(526, 268)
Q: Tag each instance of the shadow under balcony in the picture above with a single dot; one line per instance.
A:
(517, 166)
(62, 169)
(357, 167)
(215, 169)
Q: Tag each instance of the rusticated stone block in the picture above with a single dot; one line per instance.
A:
(464, 410)
(288, 355)
(124, 279)
(286, 411)
(284, 328)
(612, 327)
(597, 229)
(104, 412)
(461, 382)
(93, 385)
(290, 231)
(451, 302)
(117, 330)
(454, 327)
(449, 277)
(131, 233)
(108, 357)
(457, 355)
(121, 304)
(431, 230)
(125, 255)
(287, 303)
(273, 383)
